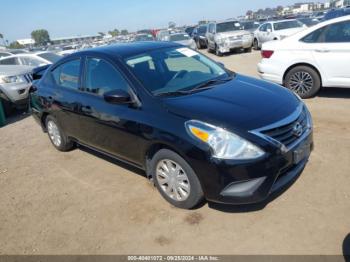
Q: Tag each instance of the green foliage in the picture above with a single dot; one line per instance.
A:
(114, 33)
(16, 45)
(41, 37)
(124, 32)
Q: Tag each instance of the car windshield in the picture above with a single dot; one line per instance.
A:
(250, 25)
(52, 57)
(179, 37)
(202, 30)
(287, 25)
(171, 70)
(228, 26)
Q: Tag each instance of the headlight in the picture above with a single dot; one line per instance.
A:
(225, 145)
(13, 79)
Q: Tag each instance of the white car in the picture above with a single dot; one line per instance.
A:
(182, 39)
(276, 30)
(31, 59)
(318, 56)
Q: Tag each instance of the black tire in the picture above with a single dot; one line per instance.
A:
(8, 107)
(217, 51)
(256, 44)
(307, 73)
(248, 50)
(199, 46)
(66, 144)
(195, 196)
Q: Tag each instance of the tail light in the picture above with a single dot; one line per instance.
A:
(266, 53)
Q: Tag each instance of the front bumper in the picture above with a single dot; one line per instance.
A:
(232, 182)
(228, 45)
(16, 93)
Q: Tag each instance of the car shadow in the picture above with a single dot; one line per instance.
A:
(16, 116)
(335, 92)
(227, 208)
(346, 248)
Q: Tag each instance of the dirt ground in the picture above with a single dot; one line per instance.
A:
(81, 203)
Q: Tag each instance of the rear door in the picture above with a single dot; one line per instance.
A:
(332, 54)
(211, 35)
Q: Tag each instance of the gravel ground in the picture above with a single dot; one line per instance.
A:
(82, 203)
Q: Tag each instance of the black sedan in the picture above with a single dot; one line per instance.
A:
(199, 130)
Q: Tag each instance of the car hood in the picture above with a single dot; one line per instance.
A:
(290, 31)
(233, 33)
(13, 70)
(242, 104)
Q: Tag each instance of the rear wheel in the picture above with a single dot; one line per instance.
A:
(175, 179)
(304, 81)
(57, 137)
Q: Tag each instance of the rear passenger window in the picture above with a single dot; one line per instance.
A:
(102, 77)
(338, 33)
(67, 74)
(313, 37)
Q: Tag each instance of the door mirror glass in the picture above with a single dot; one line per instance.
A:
(269, 30)
(118, 96)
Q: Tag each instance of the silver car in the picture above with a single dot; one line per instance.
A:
(15, 82)
(226, 36)
(183, 39)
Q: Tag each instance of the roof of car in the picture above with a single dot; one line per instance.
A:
(129, 49)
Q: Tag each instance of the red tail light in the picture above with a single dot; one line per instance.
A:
(266, 53)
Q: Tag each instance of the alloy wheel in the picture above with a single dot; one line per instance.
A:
(301, 82)
(173, 180)
(54, 133)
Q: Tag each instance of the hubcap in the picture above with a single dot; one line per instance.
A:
(301, 82)
(173, 180)
(54, 133)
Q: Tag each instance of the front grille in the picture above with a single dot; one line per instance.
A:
(289, 133)
(235, 37)
(28, 77)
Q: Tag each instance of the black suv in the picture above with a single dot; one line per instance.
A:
(200, 36)
(198, 129)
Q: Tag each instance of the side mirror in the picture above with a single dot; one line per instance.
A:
(118, 96)
(269, 30)
(221, 64)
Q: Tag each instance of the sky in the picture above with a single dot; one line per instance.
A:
(85, 17)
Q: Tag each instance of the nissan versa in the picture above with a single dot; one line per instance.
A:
(199, 130)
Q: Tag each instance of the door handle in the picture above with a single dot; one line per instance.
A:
(322, 50)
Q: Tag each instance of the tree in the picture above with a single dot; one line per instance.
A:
(124, 32)
(16, 45)
(2, 37)
(114, 33)
(249, 13)
(41, 37)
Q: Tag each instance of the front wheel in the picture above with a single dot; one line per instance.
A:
(256, 44)
(304, 81)
(175, 180)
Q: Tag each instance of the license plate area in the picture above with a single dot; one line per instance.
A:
(302, 152)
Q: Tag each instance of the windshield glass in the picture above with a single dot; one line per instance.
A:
(287, 25)
(53, 58)
(174, 69)
(179, 37)
(202, 29)
(228, 26)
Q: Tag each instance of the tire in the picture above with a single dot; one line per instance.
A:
(63, 144)
(303, 80)
(256, 44)
(190, 189)
(217, 51)
(248, 50)
(198, 45)
(8, 107)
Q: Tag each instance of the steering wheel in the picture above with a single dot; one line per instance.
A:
(179, 74)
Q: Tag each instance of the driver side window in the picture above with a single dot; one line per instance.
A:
(102, 77)
(263, 28)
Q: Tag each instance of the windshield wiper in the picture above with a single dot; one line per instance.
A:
(209, 84)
